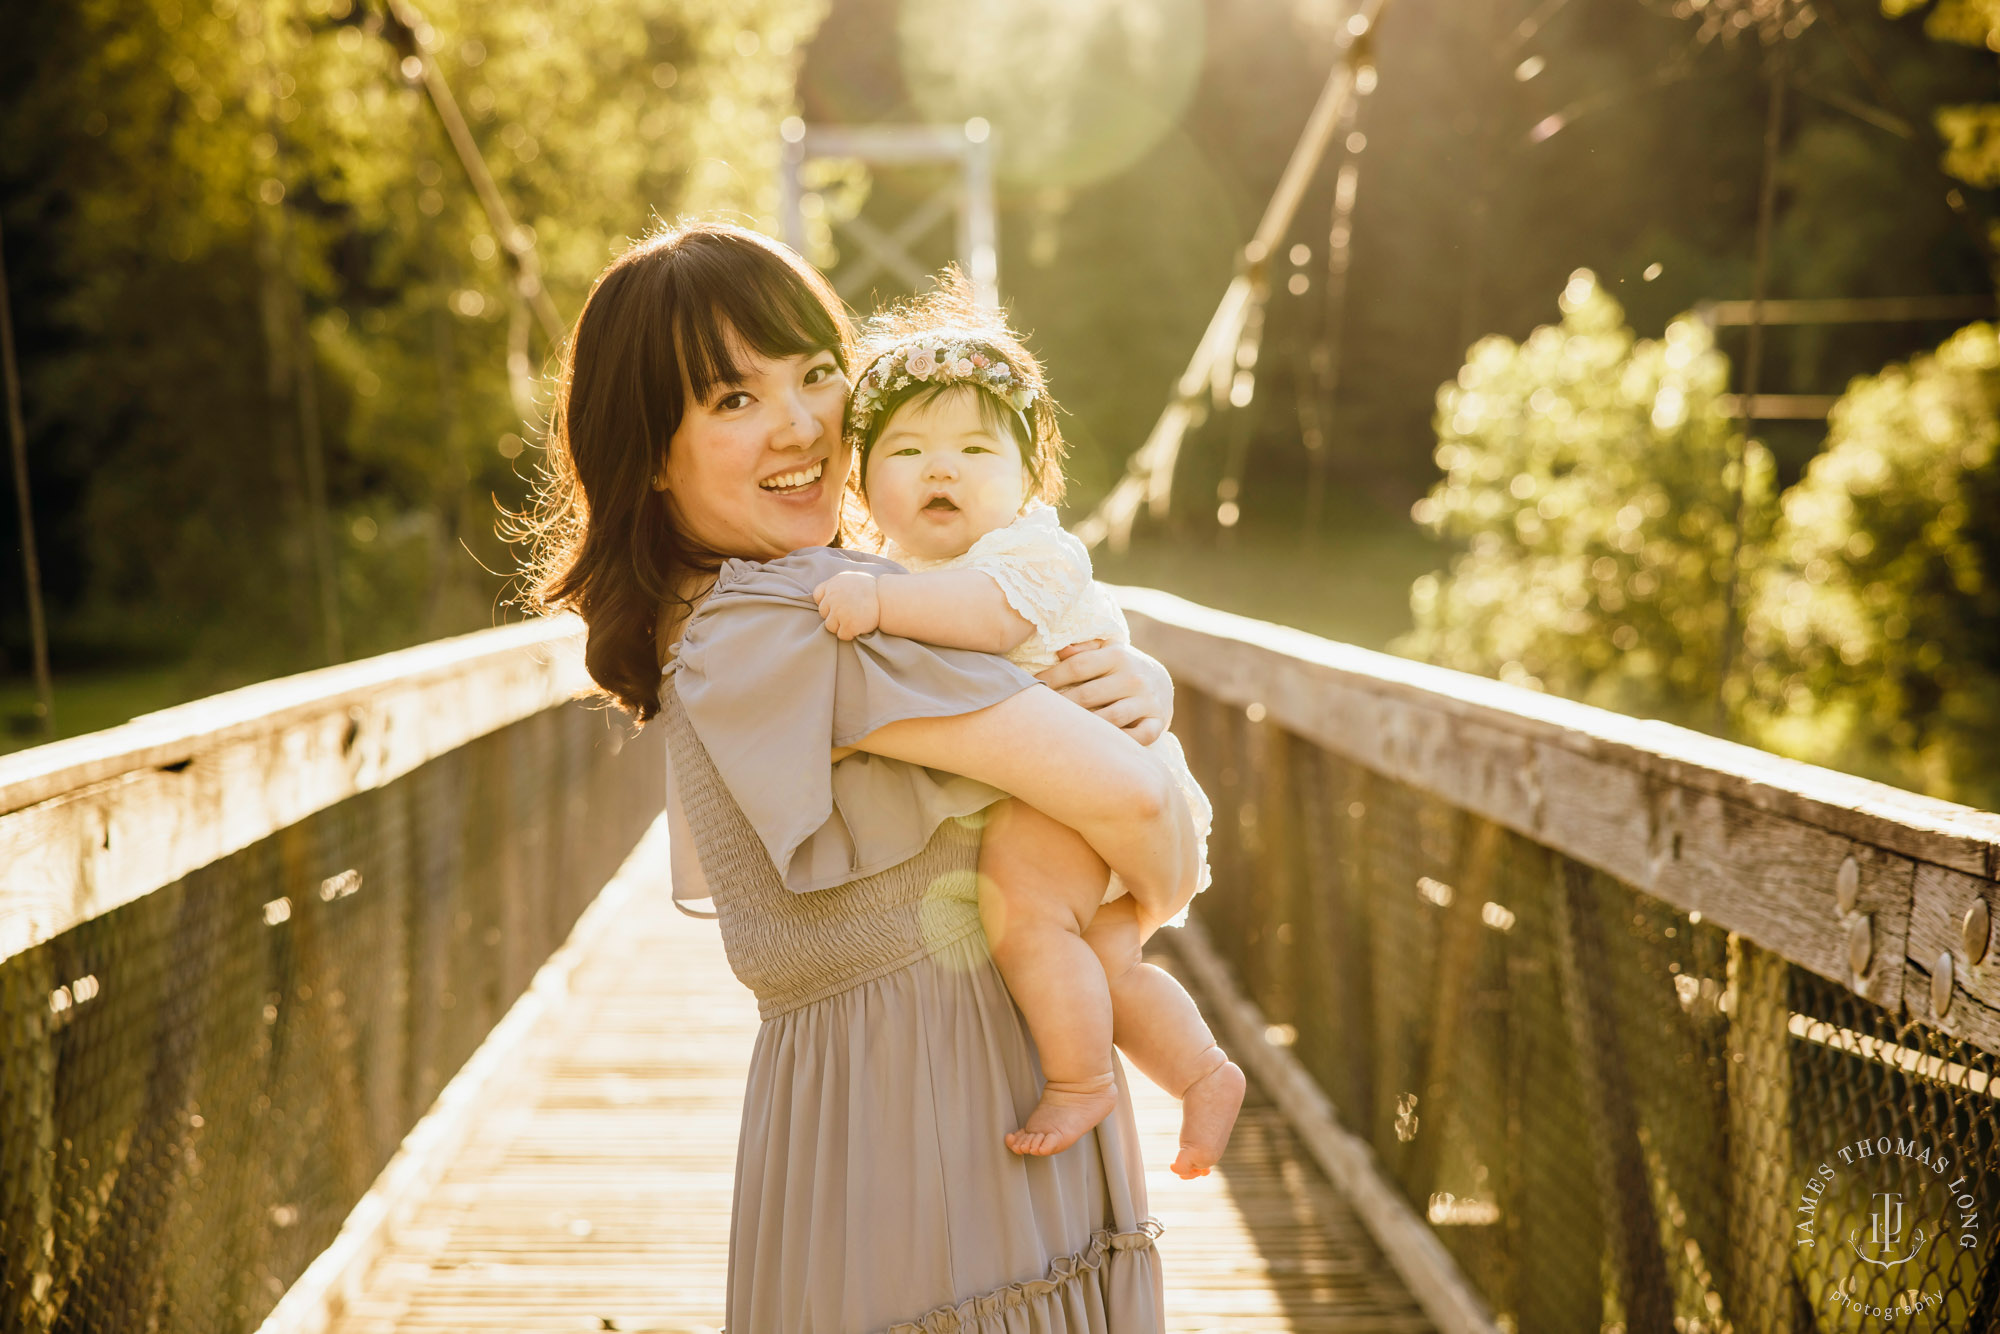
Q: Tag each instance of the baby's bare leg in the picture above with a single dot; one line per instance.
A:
(1039, 884)
(1157, 1026)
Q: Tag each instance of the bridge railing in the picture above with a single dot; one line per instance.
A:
(245, 942)
(1619, 1027)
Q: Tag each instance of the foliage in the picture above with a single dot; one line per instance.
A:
(1971, 131)
(1875, 632)
(1590, 475)
(183, 175)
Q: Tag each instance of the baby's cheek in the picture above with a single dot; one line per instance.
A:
(890, 502)
(999, 498)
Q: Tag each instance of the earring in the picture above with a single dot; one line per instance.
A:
(660, 482)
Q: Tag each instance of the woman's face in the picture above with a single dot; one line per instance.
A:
(758, 468)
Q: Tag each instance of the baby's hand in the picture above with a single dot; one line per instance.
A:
(849, 603)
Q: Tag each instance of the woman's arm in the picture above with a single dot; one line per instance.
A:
(1081, 770)
(1119, 684)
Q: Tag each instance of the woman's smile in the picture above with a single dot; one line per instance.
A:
(797, 482)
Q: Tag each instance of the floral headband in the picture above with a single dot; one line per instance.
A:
(939, 358)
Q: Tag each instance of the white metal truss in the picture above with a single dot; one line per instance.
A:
(969, 195)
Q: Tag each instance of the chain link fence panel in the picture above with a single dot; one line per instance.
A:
(196, 1087)
(1615, 1116)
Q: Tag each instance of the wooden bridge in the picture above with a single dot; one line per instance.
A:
(354, 1002)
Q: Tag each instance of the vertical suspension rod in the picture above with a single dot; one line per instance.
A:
(1753, 368)
(17, 431)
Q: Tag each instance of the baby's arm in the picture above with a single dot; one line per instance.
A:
(950, 608)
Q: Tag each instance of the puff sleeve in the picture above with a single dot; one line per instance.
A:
(770, 693)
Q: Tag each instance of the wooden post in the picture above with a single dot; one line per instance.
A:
(1451, 994)
(28, 1146)
(1762, 1297)
(17, 433)
(1277, 870)
(1632, 1227)
(1553, 1231)
(1325, 1026)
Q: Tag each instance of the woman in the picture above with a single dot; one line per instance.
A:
(695, 484)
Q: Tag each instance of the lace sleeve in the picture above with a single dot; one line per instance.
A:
(1042, 570)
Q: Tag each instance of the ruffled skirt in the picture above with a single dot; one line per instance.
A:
(874, 1192)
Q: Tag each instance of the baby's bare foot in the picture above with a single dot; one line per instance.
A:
(1208, 1114)
(1065, 1112)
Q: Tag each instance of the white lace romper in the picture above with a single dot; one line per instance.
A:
(1044, 573)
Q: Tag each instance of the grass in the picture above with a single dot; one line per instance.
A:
(88, 701)
(1351, 582)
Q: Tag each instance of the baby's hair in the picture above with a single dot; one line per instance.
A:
(950, 311)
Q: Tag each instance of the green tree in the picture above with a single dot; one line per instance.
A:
(1875, 630)
(1971, 131)
(1590, 475)
(218, 196)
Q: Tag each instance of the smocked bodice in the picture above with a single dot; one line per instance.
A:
(792, 949)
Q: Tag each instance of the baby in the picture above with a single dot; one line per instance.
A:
(957, 458)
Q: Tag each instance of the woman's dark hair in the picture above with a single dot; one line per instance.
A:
(653, 336)
(950, 310)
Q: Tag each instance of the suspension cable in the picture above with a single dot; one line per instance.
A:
(1149, 472)
(411, 37)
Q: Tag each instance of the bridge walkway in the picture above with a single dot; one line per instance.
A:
(591, 1190)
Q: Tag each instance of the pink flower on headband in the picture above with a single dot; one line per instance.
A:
(943, 357)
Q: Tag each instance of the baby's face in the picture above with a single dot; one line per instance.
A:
(940, 477)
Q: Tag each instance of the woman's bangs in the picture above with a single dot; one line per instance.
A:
(762, 306)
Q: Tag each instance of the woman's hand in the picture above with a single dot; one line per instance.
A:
(1119, 684)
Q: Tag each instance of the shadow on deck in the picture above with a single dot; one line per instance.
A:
(591, 1188)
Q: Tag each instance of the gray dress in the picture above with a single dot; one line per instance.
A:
(873, 1189)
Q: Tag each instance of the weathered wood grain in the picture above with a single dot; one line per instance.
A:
(1763, 1293)
(592, 1188)
(1316, 686)
(94, 822)
(1751, 840)
(1937, 913)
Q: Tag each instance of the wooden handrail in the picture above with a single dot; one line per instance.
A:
(94, 822)
(1824, 868)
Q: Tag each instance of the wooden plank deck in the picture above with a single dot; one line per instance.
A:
(592, 1192)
